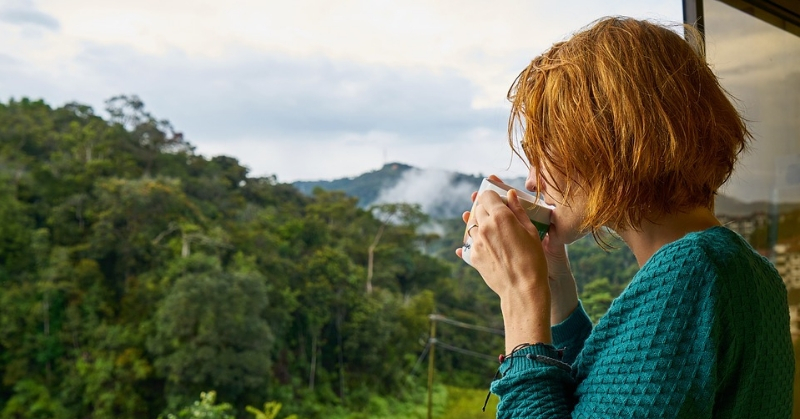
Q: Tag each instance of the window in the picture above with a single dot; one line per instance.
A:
(756, 55)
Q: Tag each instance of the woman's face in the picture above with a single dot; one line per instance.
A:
(567, 217)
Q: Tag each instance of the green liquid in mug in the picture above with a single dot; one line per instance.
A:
(541, 227)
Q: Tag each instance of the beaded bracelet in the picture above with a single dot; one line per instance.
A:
(540, 358)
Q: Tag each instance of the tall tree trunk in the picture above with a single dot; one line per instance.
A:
(313, 373)
(371, 252)
(185, 249)
(79, 214)
(339, 316)
(46, 312)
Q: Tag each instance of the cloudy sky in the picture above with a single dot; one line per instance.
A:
(303, 89)
(765, 82)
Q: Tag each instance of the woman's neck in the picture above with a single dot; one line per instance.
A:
(650, 236)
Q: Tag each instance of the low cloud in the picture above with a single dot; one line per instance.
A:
(24, 12)
(299, 118)
(436, 191)
(251, 92)
(293, 90)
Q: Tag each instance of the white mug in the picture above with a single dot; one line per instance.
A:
(538, 212)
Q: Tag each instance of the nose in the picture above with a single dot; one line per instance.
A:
(531, 182)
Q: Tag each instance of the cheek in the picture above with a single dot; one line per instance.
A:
(566, 231)
(566, 219)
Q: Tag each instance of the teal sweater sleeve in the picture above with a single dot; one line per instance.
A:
(701, 331)
(570, 334)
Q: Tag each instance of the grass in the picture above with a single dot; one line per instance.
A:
(466, 403)
(448, 403)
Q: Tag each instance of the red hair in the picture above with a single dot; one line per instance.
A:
(630, 113)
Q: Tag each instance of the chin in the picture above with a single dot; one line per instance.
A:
(578, 237)
(565, 237)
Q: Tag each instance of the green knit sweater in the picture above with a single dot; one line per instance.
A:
(701, 331)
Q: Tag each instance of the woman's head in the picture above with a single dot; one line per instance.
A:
(632, 117)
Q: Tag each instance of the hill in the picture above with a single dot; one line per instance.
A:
(155, 275)
(365, 187)
(443, 194)
(440, 193)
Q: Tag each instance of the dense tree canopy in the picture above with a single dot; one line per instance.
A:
(136, 274)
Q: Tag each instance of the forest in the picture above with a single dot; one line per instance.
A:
(140, 279)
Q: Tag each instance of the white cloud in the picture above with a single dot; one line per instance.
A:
(25, 13)
(335, 85)
(765, 82)
(311, 157)
(434, 190)
(486, 42)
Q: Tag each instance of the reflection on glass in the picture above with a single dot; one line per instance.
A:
(759, 65)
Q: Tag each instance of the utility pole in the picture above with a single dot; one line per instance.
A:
(432, 343)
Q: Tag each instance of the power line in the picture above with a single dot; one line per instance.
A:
(432, 343)
(421, 357)
(462, 351)
(440, 318)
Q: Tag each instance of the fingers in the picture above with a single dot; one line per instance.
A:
(486, 202)
(495, 178)
(465, 217)
(516, 207)
(489, 203)
(519, 212)
(489, 200)
(474, 195)
(459, 252)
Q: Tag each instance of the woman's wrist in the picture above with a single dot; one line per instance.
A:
(526, 319)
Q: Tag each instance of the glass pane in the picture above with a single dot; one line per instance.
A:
(759, 64)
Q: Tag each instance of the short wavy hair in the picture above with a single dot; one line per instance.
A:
(629, 112)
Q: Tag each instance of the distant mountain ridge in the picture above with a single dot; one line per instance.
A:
(444, 194)
(440, 193)
(365, 187)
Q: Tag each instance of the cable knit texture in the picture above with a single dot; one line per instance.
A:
(701, 331)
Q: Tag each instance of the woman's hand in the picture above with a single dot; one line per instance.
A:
(506, 248)
(507, 252)
(563, 289)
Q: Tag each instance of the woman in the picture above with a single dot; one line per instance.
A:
(624, 126)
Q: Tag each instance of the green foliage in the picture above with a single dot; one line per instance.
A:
(271, 410)
(209, 329)
(465, 403)
(205, 408)
(449, 402)
(597, 297)
(135, 274)
(601, 275)
(590, 262)
(32, 400)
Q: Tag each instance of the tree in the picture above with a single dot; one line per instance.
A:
(210, 330)
(149, 137)
(271, 410)
(408, 215)
(205, 408)
(328, 287)
(135, 274)
(597, 296)
(33, 400)
(129, 215)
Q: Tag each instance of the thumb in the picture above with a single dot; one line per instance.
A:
(519, 212)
